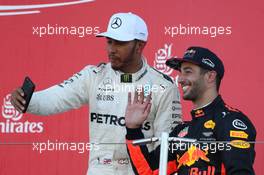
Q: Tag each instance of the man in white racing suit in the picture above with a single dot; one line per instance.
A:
(105, 87)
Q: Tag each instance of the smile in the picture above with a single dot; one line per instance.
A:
(185, 88)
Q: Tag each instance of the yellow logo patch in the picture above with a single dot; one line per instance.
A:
(240, 144)
(209, 124)
(238, 134)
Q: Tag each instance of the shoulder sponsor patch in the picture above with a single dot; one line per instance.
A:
(209, 124)
(238, 134)
(238, 124)
(240, 144)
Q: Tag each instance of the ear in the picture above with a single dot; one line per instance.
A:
(211, 76)
(140, 46)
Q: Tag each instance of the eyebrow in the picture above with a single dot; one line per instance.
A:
(186, 68)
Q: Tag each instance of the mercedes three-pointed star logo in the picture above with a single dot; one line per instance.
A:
(116, 22)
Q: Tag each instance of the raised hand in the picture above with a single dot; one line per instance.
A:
(138, 110)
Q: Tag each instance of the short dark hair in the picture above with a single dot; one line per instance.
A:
(217, 78)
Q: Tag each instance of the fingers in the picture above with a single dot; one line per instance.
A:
(148, 99)
(19, 95)
(147, 110)
(148, 105)
(18, 106)
(20, 91)
(17, 99)
(135, 97)
(129, 98)
(141, 95)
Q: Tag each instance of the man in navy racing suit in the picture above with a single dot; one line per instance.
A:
(225, 136)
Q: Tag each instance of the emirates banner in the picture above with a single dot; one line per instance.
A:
(51, 40)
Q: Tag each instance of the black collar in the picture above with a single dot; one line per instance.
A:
(207, 109)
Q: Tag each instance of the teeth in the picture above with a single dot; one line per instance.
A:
(184, 88)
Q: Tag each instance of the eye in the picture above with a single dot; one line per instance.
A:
(121, 43)
(188, 71)
(109, 41)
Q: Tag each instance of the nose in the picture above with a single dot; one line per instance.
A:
(181, 79)
(112, 48)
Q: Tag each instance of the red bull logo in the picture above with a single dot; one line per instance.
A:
(191, 156)
(210, 171)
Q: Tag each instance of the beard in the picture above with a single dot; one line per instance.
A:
(195, 91)
(116, 63)
(120, 64)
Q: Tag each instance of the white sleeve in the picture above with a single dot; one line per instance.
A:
(70, 94)
(168, 111)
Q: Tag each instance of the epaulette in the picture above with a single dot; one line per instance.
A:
(99, 67)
